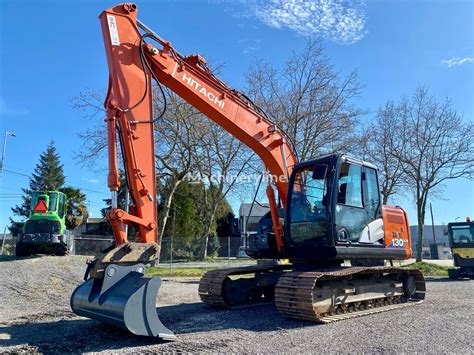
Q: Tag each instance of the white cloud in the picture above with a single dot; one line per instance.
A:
(92, 181)
(337, 20)
(6, 110)
(249, 45)
(457, 61)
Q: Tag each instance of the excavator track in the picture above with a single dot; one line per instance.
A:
(331, 296)
(240, 286)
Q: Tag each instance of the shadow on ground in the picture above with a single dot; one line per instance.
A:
(84, 335)
(75, 335)
(444, 279)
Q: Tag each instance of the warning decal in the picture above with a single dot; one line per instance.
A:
(114, 37)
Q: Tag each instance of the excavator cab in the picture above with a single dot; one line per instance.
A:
(333, 207)
(333, 201)
(461, 241)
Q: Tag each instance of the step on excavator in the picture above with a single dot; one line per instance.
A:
(323, 212)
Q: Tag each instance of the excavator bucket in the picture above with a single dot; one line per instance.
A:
(124, 298)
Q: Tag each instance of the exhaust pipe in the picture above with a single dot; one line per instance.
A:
(124, 298)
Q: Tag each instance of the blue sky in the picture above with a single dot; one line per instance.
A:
(52, 50)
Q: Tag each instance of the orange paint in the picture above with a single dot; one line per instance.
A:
(396, 229)
(127, 84)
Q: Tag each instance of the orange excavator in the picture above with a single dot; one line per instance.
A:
(325, 211)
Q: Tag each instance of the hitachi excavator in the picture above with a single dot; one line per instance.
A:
(325, 212)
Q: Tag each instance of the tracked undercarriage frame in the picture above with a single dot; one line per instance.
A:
(322, 296)
(241, 286)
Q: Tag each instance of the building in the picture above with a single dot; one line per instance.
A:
(248, 221)
(90, 226)
(92, 236)
(439, 231)
(441, 237)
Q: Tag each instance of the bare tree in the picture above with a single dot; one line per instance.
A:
(220, 162)
(433, 145)
(93, 140)
(375, 147)
(308, 100)
(188, 142)
(175, 145)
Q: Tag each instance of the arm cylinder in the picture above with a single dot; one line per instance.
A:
(113, 179)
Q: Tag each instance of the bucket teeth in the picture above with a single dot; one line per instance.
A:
(124, 298)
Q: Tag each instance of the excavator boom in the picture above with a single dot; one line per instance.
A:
(132, 64)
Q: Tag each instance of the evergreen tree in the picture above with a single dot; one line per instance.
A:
(49, 175)
(76, 207)
(187, 223)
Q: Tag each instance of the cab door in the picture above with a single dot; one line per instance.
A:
(373, 233)
(351, 215)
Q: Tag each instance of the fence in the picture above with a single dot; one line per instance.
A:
(8, 245)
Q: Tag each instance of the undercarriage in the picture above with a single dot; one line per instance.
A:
(321, 295)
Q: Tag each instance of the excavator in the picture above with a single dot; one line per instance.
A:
(323, 213)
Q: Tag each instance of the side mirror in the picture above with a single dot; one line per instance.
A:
(320, 171)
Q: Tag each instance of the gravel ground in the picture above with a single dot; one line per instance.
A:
(35, 316)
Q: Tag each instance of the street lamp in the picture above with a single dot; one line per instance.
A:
(5, 148)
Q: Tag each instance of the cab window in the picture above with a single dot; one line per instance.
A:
(62, 206)
(350, 185)
(463, 234)
(53, 201)
(34, 198)
(309, 204)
